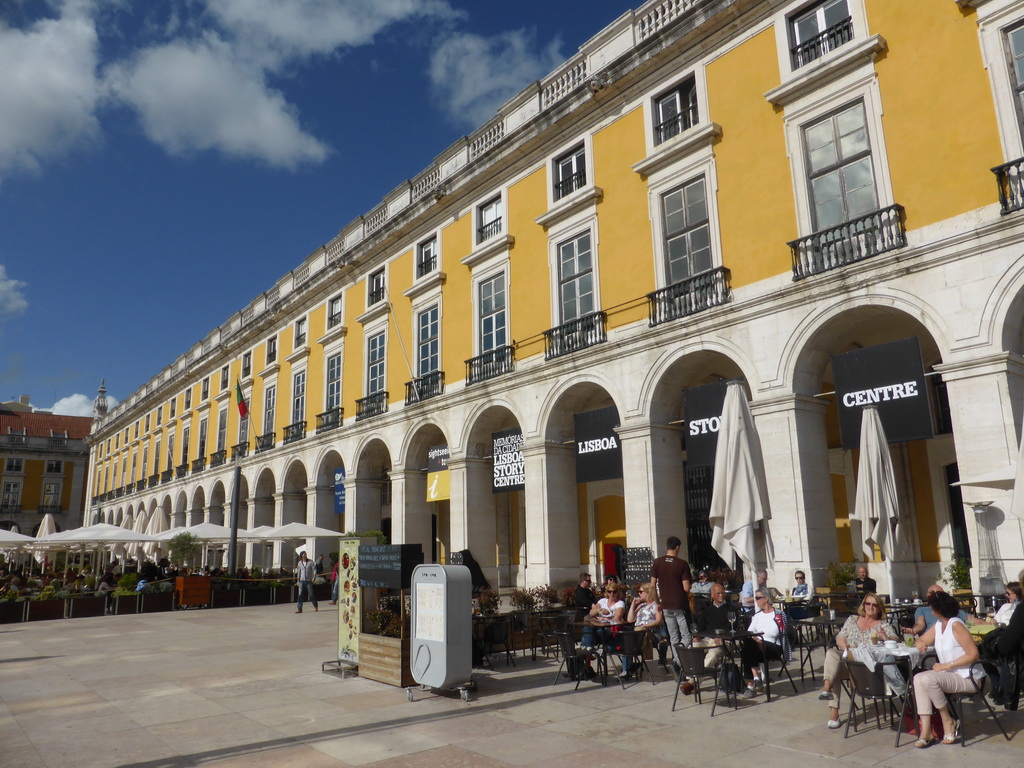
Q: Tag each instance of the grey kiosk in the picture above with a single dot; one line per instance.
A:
(442, 628)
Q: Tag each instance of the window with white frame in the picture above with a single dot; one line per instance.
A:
(300, 332)
(675, 111)
(156, 456)
(188, 402)
(243, 431)
(575, 277)
(375, 288)
(333, 381)
(299, 397)
(570, 172)
(135, 436)
(489, 217)
(271, 349)
(426, 257)
(12, 495)
(54, 467)
(224, 377)
(375, 348)
(246, 365)
(203, 426)
(124, 471)
(147, 422)
(51, 497)
(687, 231)
(170, 451)
(135, 458)
(334, 312)
(819, 29)
(493, 319)
(269, 405)
(840, 178)
(173, 407)
(427, 341)
(159, 416)
(145, 462)
(222, 429)
(205, 389)
(1015, 52)
(15, 465)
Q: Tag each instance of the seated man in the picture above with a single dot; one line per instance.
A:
(714, 616)
(864, 583)
(584, 599)
(924, 618)
(702, 586)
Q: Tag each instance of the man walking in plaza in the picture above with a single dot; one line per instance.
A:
(670, 581)
(305, 572)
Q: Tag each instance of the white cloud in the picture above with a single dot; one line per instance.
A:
(473, 75)
(11, 299)
(199, 96)
(78, 405)
(48, 87)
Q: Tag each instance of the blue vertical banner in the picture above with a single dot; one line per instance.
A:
(339, 491)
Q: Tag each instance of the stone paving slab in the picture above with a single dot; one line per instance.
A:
(241, 687)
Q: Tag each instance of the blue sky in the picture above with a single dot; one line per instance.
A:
(147, 142)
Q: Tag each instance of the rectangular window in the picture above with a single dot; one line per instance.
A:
(170, 451)
(687, 232)
(135, 433)
(145, 462)
(243, 431)
(575, 278)
(334, 312)
(124, 471)
(489, 220)
(570, 172)
(203, 425)
(333, 381)
(247, 365)
(222, 429)
(186, 437)
(54, 467)
(271, 349)
(156, 456)
(147, 422)
(188, 399)
(159, 416)
(300, 332)
(224, 378)
(206, 389)
(427, 337)
(675, 111)
(15, 465)
(173, 407)
(1015, 42)
(840, 177)
(492, 314)
(375, 364)
(426, 257)
(375, 288)
(51, 496)
(269, 405)
(11, 496)
(299, 397)
(818, 30)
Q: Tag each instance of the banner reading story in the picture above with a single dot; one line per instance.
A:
(891, 377)
(703, 408)
(598, 450)
(509, 464)
(349, 614)
(438, 475)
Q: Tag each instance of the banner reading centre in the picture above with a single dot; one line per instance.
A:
(703, 406)
(891, 377)
(438, 476)
(598, 451)
(509, 464)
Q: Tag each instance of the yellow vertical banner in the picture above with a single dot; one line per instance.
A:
(349, 613)
(438, 476)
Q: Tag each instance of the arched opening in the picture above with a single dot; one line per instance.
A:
(330, 498)
(197, 512)
(370, 509)
(263, 515)
(180, 510)
(215, 512)
(426, 512)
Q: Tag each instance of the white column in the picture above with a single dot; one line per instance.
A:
(653, 484)
(472, 516)
(552, 514)
(410, 511)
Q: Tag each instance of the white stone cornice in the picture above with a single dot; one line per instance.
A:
(435, 279)
(987, 365)
(569, 205)
(376, 311)
(333, 334)
(299, 354)
(678, 146)
(203, 407)
(223, 395)
(270, 370)
(488, 249)
(827, 69)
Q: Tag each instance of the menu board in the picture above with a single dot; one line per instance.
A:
(348, 600)
(388, 566)
(638, 564)
(430, 612)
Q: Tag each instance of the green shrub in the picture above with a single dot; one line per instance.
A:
(129, 581)
(958, 573)
(838, 575)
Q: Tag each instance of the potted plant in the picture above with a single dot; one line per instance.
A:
(839, 575)
(12, 607)
(48, 604)
(522, 599)
(124, 600)
(569, 597)
(256, 592)
(384, 644)
(488, 601)
(545, 596)
(157, 597)
(86, 604)
(958, 574)
(190, 590)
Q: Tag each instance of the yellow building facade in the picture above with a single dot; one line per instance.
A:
(708, 191)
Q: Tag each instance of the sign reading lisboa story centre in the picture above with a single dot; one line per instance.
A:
(598, 450)
(703, 407)
(509, 465)
(891, 377)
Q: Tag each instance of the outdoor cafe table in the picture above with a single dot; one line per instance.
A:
(731, 645)
(605, 639)
(897, 662)
(825, 626)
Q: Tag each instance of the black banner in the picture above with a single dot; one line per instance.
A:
(703, 408)
(388, 566)
(891, 377)
(509, 466)
(598, 451)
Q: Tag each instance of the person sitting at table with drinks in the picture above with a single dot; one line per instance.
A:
(957, 671)
(864, 583)
(760, 581)
(924, 619)
(1013, 593)
(702, 586)
(866, 626)
(645, 614)
(769, 626)
(800, 588)
(713, 618)
(608, 610)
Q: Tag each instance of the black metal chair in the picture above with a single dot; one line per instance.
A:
(956, 704)
(871, 685)
(691, 665)
(520, 632)
(809, 638)
(544, 638)
(496, 633)
(631, 647)
(574, 660)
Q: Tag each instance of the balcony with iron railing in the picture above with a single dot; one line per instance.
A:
(852, 241)
(294, 432)
(10, 508)
(817, 46)
(239, 451)
(371, 405)
(334, 320)
(575, 335)
(153, 481)
(166, 476)
(375, 296)
(570, 184)
(425, 387)
(329, 419)
(1010, 180)
(495, 362)
(119, 492)
(688, 297)
(265, 442)
(218, 458)
(198, 465)
(181, 470)
(52, 509)
(488, 230)
(140, 486)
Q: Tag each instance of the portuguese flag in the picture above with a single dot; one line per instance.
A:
(243, 409)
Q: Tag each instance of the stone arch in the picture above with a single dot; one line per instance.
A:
(198, 509)
(329, 468)
(368, 506)
(216, 511)
(180, 510)
(422, 520)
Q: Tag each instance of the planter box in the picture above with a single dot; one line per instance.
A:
(12, 612)
(193, 590)
(127, 604)
(159, 601)
(261, 596)
(385, 659)
(79, 607)
(285, 594)
(42, 610)
(227, 598)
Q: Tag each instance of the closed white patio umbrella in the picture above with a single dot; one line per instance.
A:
(158, 523)
(46, 527)
(876, 506)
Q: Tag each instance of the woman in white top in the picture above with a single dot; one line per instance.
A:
(1013, 598)
(957, 671)
(607, 610)
(757, 650)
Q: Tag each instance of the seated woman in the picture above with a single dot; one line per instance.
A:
(609, 609)
(758, 650)
(645, 613)
(958, 669)
(702, 586)
(857, 629)
(1014, 593)
(800, 588)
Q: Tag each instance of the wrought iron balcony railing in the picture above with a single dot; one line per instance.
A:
(118, 492)
(181, 470)
(166, 476)
(265, 442)
(217, 459)
(495, 362)
(9, 508)
(371, 405)
(679, 122)
(425, 387)
(852, 241)
(294, 432)
(570, 184)
(51, 508)
(489, 230)
(140, 486)
(154, 480)
(820, 44)
(688, 297)
(1010, 180)
(376, 296)
(239, 451)
(329, 419)
(198, 465)
(334, 319)
(575, 335)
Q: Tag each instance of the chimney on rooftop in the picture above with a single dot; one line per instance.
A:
(24, 399)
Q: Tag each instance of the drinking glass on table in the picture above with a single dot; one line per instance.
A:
(731, 616)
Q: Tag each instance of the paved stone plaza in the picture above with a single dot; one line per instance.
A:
(243, 687)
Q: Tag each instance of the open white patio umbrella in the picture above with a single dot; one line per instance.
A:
(202, 531)
(876, 505)
(1001, 479)
(739, 497)
(12, 538)
(299, 531)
